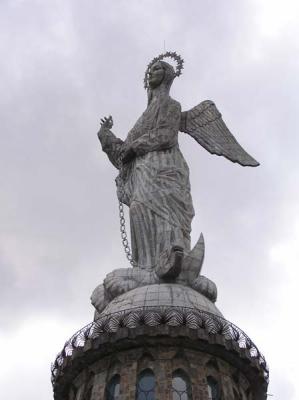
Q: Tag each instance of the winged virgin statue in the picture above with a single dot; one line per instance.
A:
(153, 181)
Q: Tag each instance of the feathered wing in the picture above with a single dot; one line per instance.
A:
(205, 124)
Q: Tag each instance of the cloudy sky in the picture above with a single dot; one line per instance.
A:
(66, 63)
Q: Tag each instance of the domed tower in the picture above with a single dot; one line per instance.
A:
(157, 333)
(161, 341)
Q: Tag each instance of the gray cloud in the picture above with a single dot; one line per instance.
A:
(64, 66)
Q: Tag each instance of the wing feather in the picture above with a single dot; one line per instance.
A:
(205, 124)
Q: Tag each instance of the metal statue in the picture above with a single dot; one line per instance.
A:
(153, 181)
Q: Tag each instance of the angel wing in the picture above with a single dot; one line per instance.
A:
(205, 125)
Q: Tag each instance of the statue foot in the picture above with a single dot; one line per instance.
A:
(170, 265)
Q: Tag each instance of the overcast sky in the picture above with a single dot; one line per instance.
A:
(66, 63)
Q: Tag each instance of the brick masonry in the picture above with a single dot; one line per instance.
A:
(128, 353)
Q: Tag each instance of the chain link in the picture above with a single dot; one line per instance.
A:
(123, 234)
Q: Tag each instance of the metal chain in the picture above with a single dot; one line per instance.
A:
(123, 234)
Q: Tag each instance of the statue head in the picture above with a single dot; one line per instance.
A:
(161, 73)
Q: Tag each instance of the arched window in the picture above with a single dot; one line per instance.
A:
(248, 394)
(112, 388)
(88, 387)
(145, 386)
(181, 387)
(213, 389)
(88, 393)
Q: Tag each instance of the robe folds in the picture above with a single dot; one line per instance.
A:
(155, 183)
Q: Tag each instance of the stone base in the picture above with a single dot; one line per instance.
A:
(165, 328)
(164, 350)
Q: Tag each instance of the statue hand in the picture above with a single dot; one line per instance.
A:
(107, 122)
(128, 155)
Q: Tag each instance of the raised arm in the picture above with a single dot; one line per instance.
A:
(111, 145)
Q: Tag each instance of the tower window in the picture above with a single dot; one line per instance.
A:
(113, 388)
(213, 389)
(181, 387)
(145, 387)
(236, 395)
(88, 394)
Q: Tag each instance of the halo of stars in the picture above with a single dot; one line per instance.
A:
(168, 54)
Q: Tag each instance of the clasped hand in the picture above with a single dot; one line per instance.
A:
(128, 154)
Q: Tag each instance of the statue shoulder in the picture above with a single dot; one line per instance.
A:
(170, 112)
(174, 105)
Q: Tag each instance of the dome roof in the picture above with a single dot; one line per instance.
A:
(158, 309)
(161, 295)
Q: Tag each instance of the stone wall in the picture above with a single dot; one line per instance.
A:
(163, 361)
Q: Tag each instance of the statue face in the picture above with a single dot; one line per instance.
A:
(156, 75)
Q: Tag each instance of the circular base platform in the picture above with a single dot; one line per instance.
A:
(161, 295)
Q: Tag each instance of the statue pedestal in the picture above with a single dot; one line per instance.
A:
(162, 330)
(162, 295)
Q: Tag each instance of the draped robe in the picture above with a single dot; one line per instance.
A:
(155, 183)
